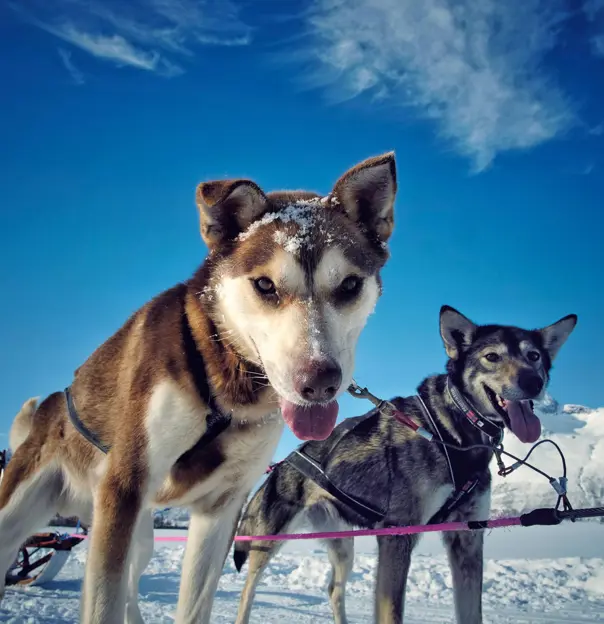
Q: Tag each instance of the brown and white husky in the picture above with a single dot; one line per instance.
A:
(182, 406)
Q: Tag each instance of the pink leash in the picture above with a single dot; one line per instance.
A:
(405, 530)
(538, 517)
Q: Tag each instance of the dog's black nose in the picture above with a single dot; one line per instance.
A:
(530, 383)
(319, 380)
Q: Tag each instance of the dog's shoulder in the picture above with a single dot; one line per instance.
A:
(150, 328)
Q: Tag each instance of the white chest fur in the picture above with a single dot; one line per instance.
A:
(174, 422)
(435, 502)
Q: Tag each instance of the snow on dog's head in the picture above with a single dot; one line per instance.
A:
(294, 278)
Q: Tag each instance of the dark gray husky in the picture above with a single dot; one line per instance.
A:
(373, 471)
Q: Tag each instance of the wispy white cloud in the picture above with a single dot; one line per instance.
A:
(597, 43)
(597, 130)
(117, 49)
(588, 169)
(74, 72)
(475, 67)
(592, 8)
(144, 34)
(594, 12)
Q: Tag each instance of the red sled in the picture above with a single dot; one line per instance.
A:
(41, 558)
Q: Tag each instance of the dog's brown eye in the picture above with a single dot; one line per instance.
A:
(533, 356)
(348, 290)
(351, 284)
(492, 357)
(265, 286)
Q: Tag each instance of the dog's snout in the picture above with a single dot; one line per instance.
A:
(319, 380)
(530, 383)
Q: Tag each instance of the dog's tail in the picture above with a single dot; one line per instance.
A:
(251, 522)
(269, 511)
(22, 424)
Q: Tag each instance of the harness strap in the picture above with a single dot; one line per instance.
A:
(81, 427)
(491, 429)
(216, 421)
(459, 493)
(435, 426)
(315, 472)
(454, 501)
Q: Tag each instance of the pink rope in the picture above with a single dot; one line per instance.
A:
(163, 538)
(405, 530)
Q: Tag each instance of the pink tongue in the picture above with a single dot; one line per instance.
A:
(314, 422)
(523, 422)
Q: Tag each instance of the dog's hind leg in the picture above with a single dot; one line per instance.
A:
(465, 551)
(341, 557)
(28, 499)
(260, 555)
(394, 559)
(259, 519)
(142, 551)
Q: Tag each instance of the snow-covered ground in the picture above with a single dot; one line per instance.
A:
(537, 574)
(569, 589)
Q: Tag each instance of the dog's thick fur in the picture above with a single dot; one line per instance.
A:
(388, 466)
(288, 285)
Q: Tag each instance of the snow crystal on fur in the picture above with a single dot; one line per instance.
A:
(303, 213)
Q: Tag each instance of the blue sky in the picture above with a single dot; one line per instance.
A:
(112, 112)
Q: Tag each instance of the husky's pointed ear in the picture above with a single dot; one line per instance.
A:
(227, 208)
(366, 193)
(554, 336)
(457, 331)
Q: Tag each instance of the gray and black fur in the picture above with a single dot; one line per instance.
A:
(388, 466)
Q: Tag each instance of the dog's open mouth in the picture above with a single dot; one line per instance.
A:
(310, 422)
(518, 416)
(307, 422)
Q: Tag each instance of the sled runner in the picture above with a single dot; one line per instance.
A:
(41, 558)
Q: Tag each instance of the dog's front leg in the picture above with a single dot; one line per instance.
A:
(394, 559)
(465, 551)
(116, 510)
(210, 536)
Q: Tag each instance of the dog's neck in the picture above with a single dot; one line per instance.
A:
(439, 400)
(235, 381)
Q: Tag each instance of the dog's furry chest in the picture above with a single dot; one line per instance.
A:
(227, 467)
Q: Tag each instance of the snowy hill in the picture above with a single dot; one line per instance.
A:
(579, 431)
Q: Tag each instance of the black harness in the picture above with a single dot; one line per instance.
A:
(464, 481)
(486, 426)
(315, 471)
(458, 459)
(81, 428)
(216, 421)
